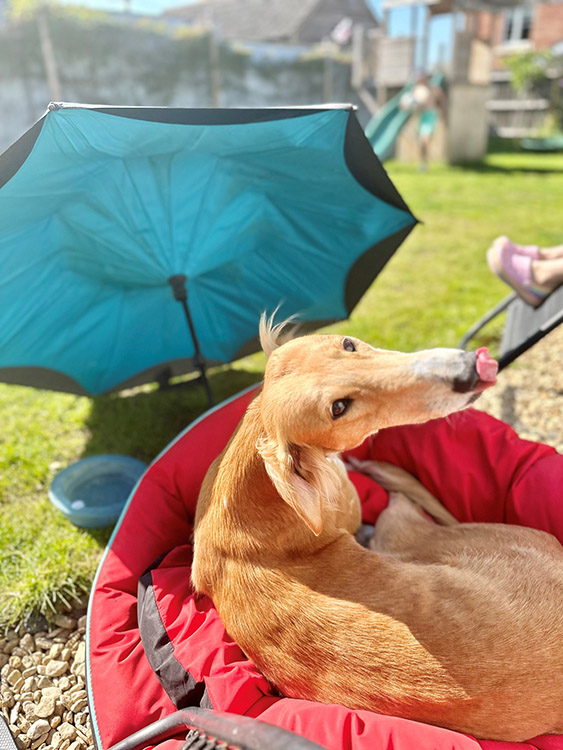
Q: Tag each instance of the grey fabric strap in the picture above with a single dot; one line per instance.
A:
(7, 741)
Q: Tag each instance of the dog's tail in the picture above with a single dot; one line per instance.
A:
(394, 479)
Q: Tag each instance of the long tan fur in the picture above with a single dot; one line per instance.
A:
(459, 625)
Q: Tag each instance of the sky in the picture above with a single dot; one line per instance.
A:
(399, 25)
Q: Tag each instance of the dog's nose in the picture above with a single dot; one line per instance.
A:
(478, 371)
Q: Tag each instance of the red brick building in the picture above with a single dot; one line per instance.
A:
(527, 27)
(536, 26)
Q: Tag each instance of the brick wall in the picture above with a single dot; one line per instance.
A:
(547, 28)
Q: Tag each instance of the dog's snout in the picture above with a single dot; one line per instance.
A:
(463, 372)
(468, 376)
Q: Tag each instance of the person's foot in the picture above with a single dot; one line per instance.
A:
(532, 251)
(515, 269)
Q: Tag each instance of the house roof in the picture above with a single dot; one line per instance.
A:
(263, 20)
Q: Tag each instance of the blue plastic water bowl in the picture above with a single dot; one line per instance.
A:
(92, 492)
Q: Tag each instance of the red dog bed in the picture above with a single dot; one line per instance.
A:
(153, 647)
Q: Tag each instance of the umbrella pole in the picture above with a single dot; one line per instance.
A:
(178, 284)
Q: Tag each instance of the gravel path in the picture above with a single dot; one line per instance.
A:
(529, 393)
(43, 695)
(43, 691)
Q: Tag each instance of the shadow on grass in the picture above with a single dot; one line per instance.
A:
(484, 167)
(141, 424)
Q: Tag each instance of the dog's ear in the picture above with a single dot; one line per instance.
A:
(303, 476)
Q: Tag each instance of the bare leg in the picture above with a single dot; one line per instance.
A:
(548, 274)
(423, 144)
(551, 253)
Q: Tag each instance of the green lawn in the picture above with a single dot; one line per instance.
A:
(430, 292)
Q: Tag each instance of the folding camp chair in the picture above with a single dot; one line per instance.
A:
(525, 325)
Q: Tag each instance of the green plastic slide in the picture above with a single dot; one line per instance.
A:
(383, 129)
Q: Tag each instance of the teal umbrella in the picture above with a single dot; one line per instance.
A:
(136, 240)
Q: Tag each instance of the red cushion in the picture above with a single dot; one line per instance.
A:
(475, 464)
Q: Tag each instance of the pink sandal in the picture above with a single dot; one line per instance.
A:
(515, 269)
(532, 251)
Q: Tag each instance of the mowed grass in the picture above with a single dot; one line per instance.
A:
(430, 292)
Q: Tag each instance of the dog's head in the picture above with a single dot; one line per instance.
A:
(327, 393)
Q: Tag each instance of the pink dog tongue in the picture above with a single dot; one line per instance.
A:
(487, 367)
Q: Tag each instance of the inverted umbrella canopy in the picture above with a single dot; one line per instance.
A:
(108, 213)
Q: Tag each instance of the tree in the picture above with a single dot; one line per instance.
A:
(533, 69)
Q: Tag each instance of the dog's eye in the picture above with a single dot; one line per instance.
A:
(349, 345)
(340, 406)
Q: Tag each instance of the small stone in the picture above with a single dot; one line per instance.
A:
(29, 672)
(41, 741)
(9, 646)
(64, 683)
(65, 744)
(67, 623)
(23, 723)
(67, 731)
(66, 700)
(79, 705)
(15, 679)
(56, 668)
(55, 651)
(28, 642)
(16, 662)
(4, 659)
(74, 638)
(14, 713)
(66, 653)
(55, 721)
(43, 642)
(44, 682)
(56, 740)
(80, 654)
(29, 711)
(38, 729)
(53, 691)
(46, 707)
(23, 740)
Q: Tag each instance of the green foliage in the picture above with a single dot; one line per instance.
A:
(431, 291)
(529, 68)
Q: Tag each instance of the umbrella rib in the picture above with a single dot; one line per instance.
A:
(204, 195)
(145, 212)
